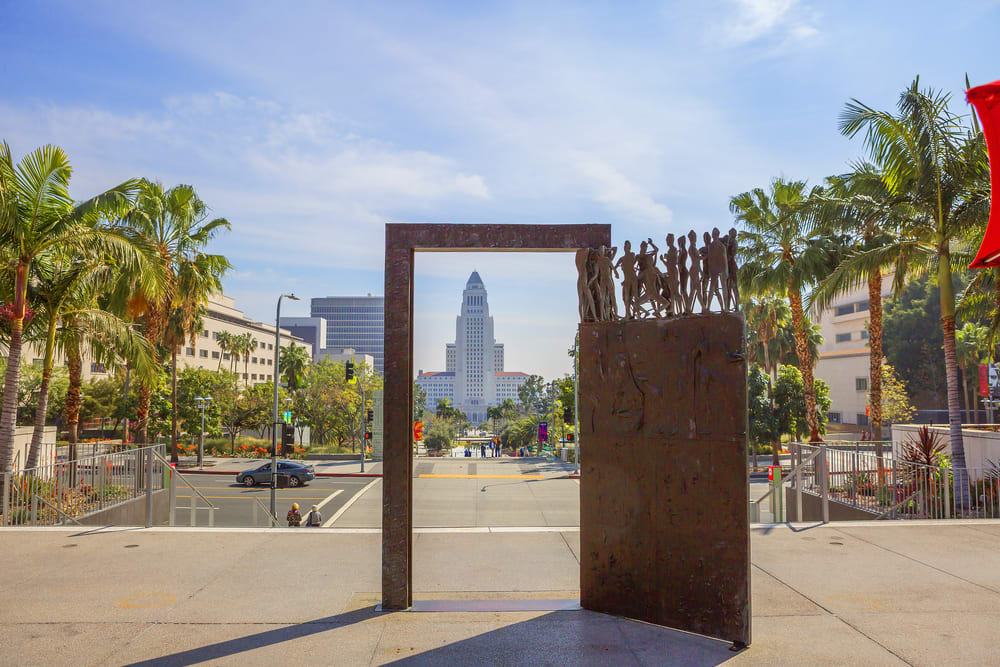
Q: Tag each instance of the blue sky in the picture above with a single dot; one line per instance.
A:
(309, 125)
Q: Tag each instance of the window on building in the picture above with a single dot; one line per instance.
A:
(189, 351)
(864, 335)
(843, 337)
(833, 417)
(203, 354)
(255, 360)
(253, 376)
(262, 345)
(225, 355)
(862, 419)
(204, 333)
(97, 368)
(215, 355)
(845, 310)
(270, 346)
(861, 307)
(861, 384)
(215, 335)
(37, 362)
(270, 362)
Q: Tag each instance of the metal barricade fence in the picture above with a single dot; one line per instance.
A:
(64, 491)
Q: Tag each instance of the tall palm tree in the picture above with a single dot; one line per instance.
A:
(782, 256)
(865, 210)
(972, 347)
(765, 318)
(249, 345)
(64, 287)
(174, 222)
(226, 343)
(928, 157)
(292, 362)
(37, 218)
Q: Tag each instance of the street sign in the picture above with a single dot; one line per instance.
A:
(543, 431)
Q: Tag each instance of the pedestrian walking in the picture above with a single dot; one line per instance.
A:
(315, 519)
(293, 516)
(482, 451)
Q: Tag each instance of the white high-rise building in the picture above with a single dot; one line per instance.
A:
(474, 379)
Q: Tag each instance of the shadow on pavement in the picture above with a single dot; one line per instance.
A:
(250, 642)
(576, 638)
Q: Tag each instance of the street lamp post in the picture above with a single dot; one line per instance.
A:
(202, 402)
(576, 403)
(276, 422)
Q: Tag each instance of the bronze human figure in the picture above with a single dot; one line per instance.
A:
(649, 279)
(607, 305)
(694, 276)
(732, 273)
(671, 278)
(588, 309)
(630, 282)
(682, 272)
(717, 270)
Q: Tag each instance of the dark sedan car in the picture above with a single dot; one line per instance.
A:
(297, 474)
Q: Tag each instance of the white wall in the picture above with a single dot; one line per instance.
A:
(22, 440)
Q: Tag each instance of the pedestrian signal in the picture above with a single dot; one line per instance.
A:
(569, 437)
(287, 434)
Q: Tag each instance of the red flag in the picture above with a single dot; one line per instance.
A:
(986, 99)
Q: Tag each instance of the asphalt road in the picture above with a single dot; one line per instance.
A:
(236, 507)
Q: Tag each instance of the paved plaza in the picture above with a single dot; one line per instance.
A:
(887, 593)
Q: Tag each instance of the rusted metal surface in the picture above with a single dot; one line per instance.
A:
(664, 532)
(401, 240)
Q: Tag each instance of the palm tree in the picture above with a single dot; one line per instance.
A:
(64, 289)
(174, 222)
(972, 346)
(38, 218)
(226, 343)
(782, 257)
(866, 211)
(935, 164)
(765, 318)
(292, 362)
(249, 345)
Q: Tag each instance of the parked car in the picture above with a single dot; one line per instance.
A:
(297, 474)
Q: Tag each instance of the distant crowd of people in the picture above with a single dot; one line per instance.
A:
(494, 450)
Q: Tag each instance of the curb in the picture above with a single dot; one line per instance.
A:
(319, 474)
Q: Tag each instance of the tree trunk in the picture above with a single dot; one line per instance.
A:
(43, 395)
(8, 414)
(174, 453)
(74, 400)
(154, 334)
(128, 378)
(805, 362)
(960, 473)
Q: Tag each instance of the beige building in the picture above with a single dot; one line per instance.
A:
(844, 356)
(221, 315)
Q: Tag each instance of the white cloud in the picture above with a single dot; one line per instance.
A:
(757, 19)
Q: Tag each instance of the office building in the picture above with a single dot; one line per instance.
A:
(355, 322)
(310, 329)
(474, 378)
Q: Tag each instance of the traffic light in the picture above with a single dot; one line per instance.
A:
(287, 439)
(368, 435)
(370, 417)
(349, 371)
(418, 431)
(569, 437)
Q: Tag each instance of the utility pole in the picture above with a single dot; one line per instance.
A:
(202, 402)
(276, 421)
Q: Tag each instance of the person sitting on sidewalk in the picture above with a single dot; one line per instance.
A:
(315, 519)
(293, 516)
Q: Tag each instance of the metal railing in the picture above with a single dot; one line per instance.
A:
(54, 493)
(175, 479)
(886, 487)
(258, 509)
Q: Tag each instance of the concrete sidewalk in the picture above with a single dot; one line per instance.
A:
(886, 593)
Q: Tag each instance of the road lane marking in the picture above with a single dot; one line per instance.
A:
(328, 499)
(252, 497)
(329, 522)
(484, 476)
